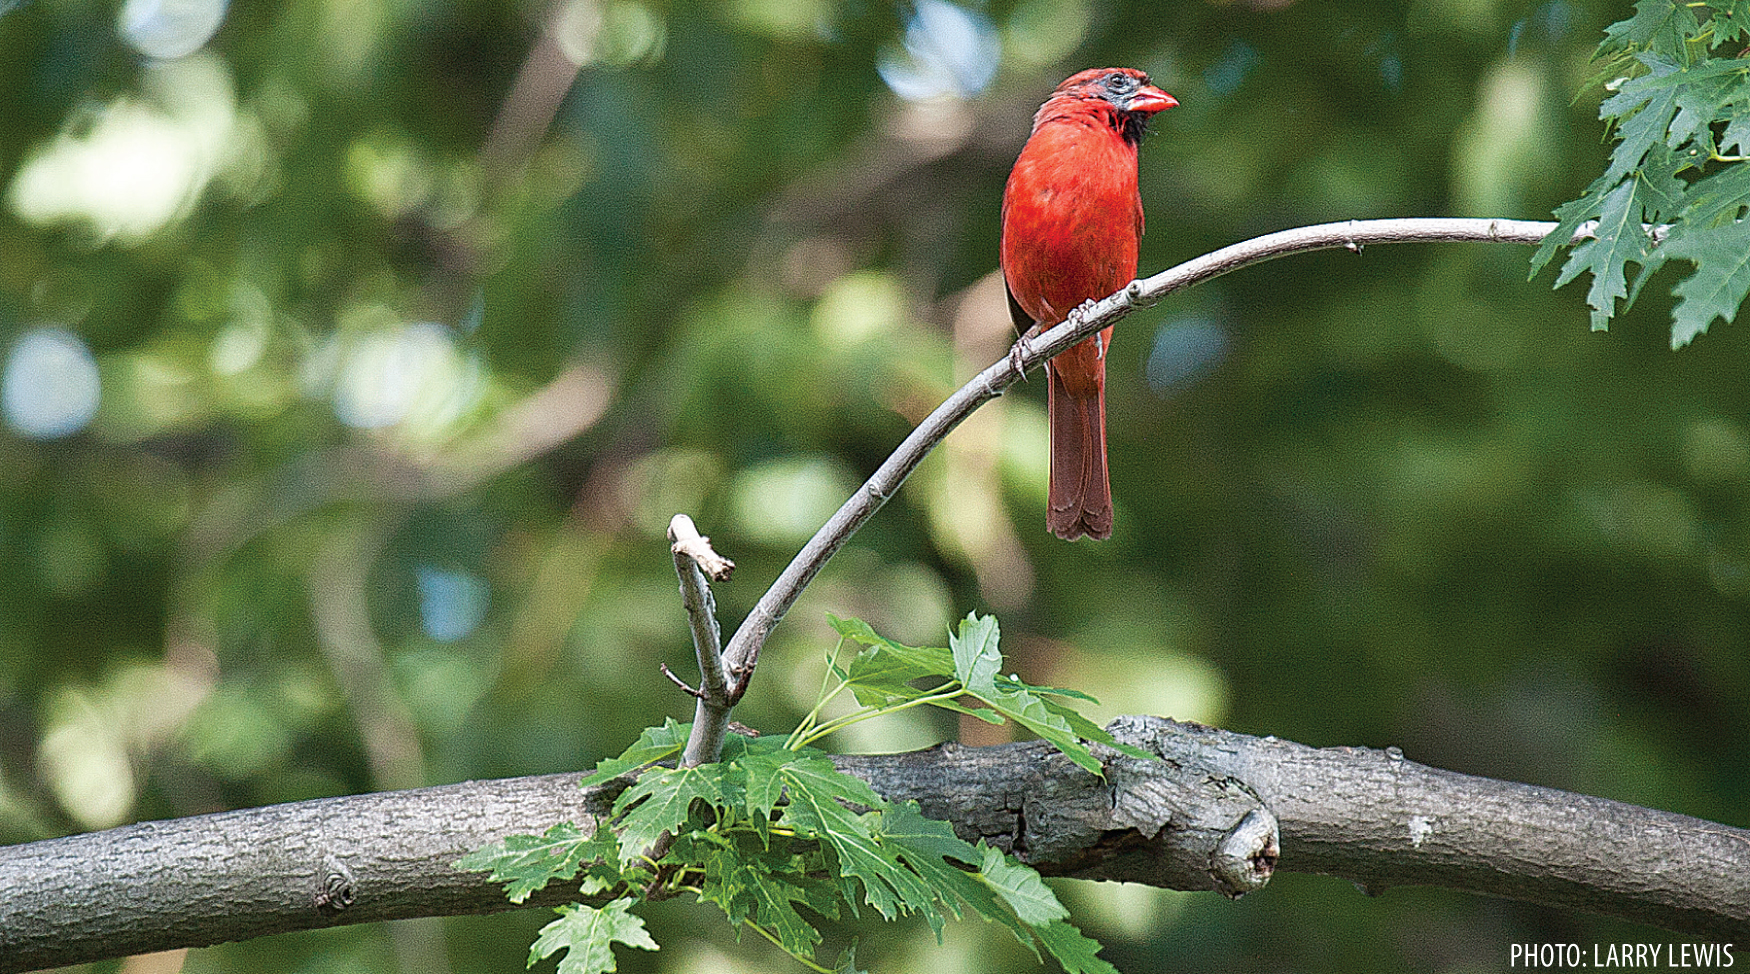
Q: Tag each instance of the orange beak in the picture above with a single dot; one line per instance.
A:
(1149, 99)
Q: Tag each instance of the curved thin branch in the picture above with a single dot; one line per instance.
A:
(1370, 816)
(743, 651)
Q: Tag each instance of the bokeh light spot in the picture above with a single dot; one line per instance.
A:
(948, 51)
(858, 307)
(170, 28)
(132, 167)
(50, 388)
(87, 767)
(785, 501)
(616, 34)
(452, 602)
(413, 374)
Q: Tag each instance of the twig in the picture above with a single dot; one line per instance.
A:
(686, 539)
(677, 681)
(742, 653)
(693, 560)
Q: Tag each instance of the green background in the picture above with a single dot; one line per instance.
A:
(1402, 498)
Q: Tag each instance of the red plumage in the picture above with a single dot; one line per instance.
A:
(1072, 220)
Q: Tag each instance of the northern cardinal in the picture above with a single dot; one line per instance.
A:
(1072, 219)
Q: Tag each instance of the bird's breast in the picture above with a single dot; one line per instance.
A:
(1071, 219)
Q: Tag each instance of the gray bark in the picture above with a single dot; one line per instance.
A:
(1203, 818)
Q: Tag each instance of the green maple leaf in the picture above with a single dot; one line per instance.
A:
(1731, 22)
(816, 789)
(774, 897)
(1002, 890)
(1719, 284)
(765, 781)
(976, 656)
(661, 802)
(1073, 949)
(1680, 104)
(883, 671)
(1021, 888)
(655, 744)
(1705, 95)
(1645, 107)
(1617, 241)
(587, 935)
(1722, 196)
(931, 849)
(977, 660)
(1031, 711)
(1657, 24)
(812, 773)
(527, 863)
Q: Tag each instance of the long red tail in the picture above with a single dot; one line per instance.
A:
(1080, 498)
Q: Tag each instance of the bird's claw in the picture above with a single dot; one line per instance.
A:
(1018, 352)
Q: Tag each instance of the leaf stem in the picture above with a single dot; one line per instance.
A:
(809, 962)
(867, 713)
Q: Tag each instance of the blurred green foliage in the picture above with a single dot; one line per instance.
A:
(415, 322)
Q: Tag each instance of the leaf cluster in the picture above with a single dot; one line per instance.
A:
(779, 839)
(1677, 185)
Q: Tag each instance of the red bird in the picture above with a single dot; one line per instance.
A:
(1072, 219)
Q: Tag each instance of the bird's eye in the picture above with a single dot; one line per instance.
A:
(1119, 82)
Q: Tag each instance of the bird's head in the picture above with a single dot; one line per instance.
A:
(1123, 95)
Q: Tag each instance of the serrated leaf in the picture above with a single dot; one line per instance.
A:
(733, 898)
(1730, 21)
(1073, 949)
(847, 962)
(914, 835)
(660, 802)
(527, 863)
(1719, 284)
(1569, 217)
(655, 744)
(888, 665)
(1030, 711)
(815, 789)
(1001, 891)
(1086, 730)
(977, 658)
(1721, 196)
(813, 772)
(1021, 888)
(1659, 25)
(765, 780)
(878, 677)
(1680, 100)
(774, 900)
(1644, 108)
(587, 935)
(1617, 241)
(1704, 95)
(926, 846)
(1735, 137)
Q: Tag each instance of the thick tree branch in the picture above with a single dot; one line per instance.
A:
(743, 651)
(1370, 816)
